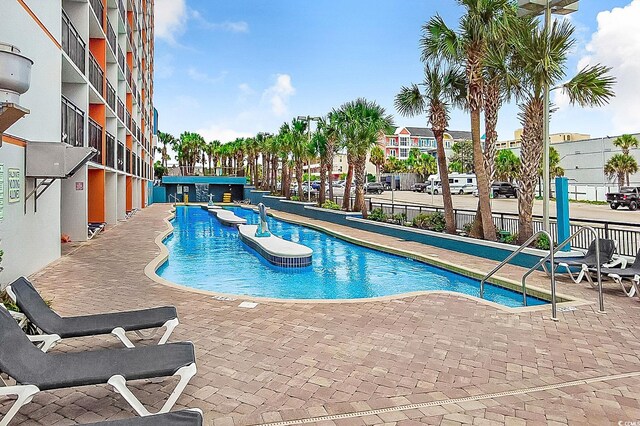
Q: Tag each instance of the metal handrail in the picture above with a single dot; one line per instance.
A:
(562, 244)
(524, 290)
(175, 198)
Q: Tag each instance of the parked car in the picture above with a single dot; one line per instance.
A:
(464, 189)
(628, 196)
(373, 188)
(462, 183)
(436, 187)
(419, 187)
(504, 188)
(315, 185)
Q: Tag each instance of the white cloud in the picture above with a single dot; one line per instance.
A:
(245, 89)
(170, 19)
(222, 133)
(278, 95)
(229, 26)
(202, 77)
(616, 44)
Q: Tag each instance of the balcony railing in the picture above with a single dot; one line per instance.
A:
(98, 9)
(111, 96)
(120, 110)
(111, 150)
(95, 139)
(127, 120)
(111, 37)
(121, 59)
(72, 43)
(123, 13)
(120, 159)
(127, 158)
(96, 75)
(72, 123)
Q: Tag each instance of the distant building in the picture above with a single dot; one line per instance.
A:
(583, 160)
(400, 143)
(554, 138)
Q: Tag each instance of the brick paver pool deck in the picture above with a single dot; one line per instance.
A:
(428, 359)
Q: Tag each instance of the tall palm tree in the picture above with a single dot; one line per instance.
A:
(483, 22)
(284, 147)
(620, 166)
(298, 143)
(443, 86)
(377, 159)
(540, 59)
(320, 144)
(166, 139)
(329, 126)
(363, 120)
(212, 154)
(425, 165)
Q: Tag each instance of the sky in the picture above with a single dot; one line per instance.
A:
(228, 69)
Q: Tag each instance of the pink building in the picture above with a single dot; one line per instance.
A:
(400, 143)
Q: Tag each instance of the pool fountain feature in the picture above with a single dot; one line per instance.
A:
(274, 249)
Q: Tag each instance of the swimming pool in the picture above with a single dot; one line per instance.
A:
(204, 254)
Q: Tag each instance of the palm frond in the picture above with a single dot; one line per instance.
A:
(410, 102)
(592, 86)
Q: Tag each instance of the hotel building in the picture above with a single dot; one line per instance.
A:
(91, 86)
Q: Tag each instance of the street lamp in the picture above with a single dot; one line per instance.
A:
(309, 119)
(536, 8)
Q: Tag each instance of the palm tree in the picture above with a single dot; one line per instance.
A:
(483, 22)
(320, 144)
(540, 59)
(620, 166)
(212, 153)
(626, 142)
(329, 126)
(507, 166)
(425, 165)
(165, 139)
(362, 121)
(442, 86)
(298, 141)
(377, 159)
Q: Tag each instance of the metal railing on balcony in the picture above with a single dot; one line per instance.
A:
(111, 150)
(95, 139)
(72, 123)
(123, 12)
(111, 96)
(72, 43)
(121, 59)
(111, 37)
(127, 120)
(96, 75)
(120, 110)
(127, 164)
(98, 9)
(120, 157)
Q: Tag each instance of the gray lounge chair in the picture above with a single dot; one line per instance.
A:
(607, 250)
(118, 323)
(35, 371)
(177, 418)
(620, 274)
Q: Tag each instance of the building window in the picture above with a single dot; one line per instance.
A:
(404, 152)
(447, 144)
(392, 153)
(404, 141)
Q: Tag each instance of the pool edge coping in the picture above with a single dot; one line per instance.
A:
(568, 301)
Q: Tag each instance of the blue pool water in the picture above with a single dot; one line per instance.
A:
(206, 255)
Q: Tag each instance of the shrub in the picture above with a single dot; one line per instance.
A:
(542, 242)
(377, 215)
(431, 221)
(467, 228)
(399, 219)
(331, 205)
(507, 237)
(295, 198)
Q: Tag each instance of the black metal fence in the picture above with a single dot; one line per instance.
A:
(72, 122)
(96, 75)
(95, 139)
(111, 150)
(626, 234)
(72, 43)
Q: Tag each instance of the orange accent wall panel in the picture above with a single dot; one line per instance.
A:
(129, 102)
(129, 202)
(98, 48)
(96, 195)
(143, 193)
(129, 141)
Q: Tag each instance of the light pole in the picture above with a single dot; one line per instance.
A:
(309, 119)
(536, 8)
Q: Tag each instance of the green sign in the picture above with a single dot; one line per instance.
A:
(1, 192)
(14, 185)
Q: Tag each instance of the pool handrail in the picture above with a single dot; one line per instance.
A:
(524, 290)
(550, 257)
